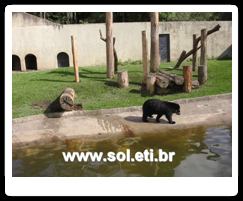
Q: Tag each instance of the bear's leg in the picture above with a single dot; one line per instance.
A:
(158, 117)
(145, 118)
(169, 117)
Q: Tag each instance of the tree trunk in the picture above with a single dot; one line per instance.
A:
(122, 77)
(194, 55)
(203, 56)
(114, 50)
(154, 49)
(66, 99)
(187, 74)
(145, 57)
(150, 84)
(75, 60)
(201, 75)
(115, 56)
(109, 46)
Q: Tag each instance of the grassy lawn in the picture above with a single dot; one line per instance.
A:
(31, 89)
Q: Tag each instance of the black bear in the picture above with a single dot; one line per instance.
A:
(155, 106)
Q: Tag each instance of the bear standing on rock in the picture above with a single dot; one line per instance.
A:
(155, 106)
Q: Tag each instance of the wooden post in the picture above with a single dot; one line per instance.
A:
(145, 57)
(122, 79)
(187, 74)
(154, 49)
(109, 46)
(194, 55)
(203, 56)
(150, 84)
(201, 75)
(75, 60)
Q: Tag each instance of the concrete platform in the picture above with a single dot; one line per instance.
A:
(209, 110)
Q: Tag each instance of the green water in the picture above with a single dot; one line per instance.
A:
(199, 152)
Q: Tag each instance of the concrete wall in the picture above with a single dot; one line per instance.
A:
(26, 19)
(45, 42)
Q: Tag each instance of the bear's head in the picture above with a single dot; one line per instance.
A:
(176, 108)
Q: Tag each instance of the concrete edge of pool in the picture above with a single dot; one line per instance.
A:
(207, 110)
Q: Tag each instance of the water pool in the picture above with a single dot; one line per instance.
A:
(201, 152)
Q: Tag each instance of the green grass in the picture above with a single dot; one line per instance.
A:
(95, 91)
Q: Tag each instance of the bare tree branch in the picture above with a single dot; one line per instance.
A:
(185, 54)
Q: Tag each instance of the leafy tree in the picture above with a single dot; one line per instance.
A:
(194, 16)
(94, 17)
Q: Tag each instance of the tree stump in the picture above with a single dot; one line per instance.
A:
(122, 79)
(66, 99)
(150, 84)
(201, 74)
(187, 74)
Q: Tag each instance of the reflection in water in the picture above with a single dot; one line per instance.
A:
(199, 152)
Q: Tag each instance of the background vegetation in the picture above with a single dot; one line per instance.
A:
(87, 17)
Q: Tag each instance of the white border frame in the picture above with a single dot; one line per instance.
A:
(74, 186)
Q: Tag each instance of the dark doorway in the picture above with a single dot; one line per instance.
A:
(63, 59)
(164, 47)
(16, 65)
(30, 62)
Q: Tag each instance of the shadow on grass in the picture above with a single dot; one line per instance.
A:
(54, 110)
(135, 83)
(91, 72)
(111, 83)
(82, 71)
(83, 74)
(52, 80)
(169, 69)
(143, 93)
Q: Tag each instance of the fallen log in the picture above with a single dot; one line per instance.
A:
(66, 99)
(162, 82)
(166, 83)
(175, 78)
(195, 84)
